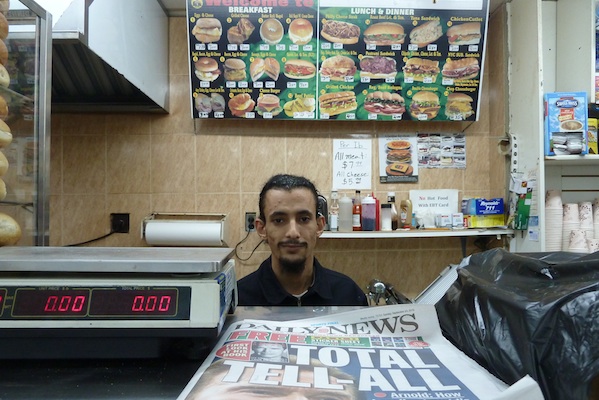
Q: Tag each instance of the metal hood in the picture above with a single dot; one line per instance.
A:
(109, 55)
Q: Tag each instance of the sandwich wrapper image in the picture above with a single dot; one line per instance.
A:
(398, 159)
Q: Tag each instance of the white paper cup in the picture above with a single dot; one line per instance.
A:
(571, 212)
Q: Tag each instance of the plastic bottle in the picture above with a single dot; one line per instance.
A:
(394, 214)
(334, 211)
(405, 214)
(357, 212)
(386, 217)
(368, 213)
(345, 214)
(377, 220)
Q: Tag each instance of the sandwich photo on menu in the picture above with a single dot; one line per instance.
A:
(420, 69)
(377, 67)
(458, 106)
(268, 66)
(241, 32)
(206, 69)
(207, 30)
(300, 31)
(425, 105)
(384, 34)
(340, 32)
(240, 104)
(464, 68)
(384, 103)
(337, 103)
(337, 68)
(463, 34)
(299, 69)
(426, 33)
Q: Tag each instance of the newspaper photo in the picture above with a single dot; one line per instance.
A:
(387, 352)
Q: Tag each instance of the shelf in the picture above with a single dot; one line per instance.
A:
(589, 159)
(418, 233)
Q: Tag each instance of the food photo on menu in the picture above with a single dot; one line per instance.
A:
(398, 159)
(337, 62)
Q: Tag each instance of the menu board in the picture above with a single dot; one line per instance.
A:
(337, 59)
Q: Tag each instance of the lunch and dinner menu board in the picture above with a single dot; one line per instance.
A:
(337, 59)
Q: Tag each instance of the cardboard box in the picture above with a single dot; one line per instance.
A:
(484, 221)
(592, 136)
(478, 206)
(566, 123)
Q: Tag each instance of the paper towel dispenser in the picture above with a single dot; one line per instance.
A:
(186, 229)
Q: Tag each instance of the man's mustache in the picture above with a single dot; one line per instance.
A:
(293, 243)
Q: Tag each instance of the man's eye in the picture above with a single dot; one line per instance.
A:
(305, 219)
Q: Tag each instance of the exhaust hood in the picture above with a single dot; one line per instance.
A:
(109, 55)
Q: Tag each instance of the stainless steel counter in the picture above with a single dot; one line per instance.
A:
(101, 379)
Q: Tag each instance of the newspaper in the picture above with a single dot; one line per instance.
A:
(387, 352)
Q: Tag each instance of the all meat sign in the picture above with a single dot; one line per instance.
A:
(337, 59)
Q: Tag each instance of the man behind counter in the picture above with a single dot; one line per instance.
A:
(292, 276)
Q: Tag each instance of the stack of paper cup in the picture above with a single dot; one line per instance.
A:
(578, 241)
(585, 214)
(571, 221)
(596, 219)
(553, 220)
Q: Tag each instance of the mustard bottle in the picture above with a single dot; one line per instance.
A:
(405, 214)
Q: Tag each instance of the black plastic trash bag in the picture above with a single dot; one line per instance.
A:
(535, 314)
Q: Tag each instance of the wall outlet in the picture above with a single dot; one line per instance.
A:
(119, 223)
(250, 221)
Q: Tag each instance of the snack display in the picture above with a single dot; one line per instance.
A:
(300, 31)
(207, 30)
(340, 32)
(271, 31)
(337, 68)
(337, 102)
(384, 34)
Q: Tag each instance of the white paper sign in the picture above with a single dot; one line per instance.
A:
(442, 201)
(352, 163)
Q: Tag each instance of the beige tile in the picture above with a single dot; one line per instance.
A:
(218, 163)
(262, 157)
(83, 124)
(138, 207)
(443, 178)
(84, 164)
(85, 219)
(56, 216)
(179, 119)
(129, 166)
(178, 50)
(56, 165)
(128, 124)
(173, 203)
(173, 164)
(313, 162)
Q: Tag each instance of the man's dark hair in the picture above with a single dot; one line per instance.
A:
(288, 183)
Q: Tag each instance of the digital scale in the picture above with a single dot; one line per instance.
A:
(68, 301)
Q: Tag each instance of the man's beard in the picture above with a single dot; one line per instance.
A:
(292, 267)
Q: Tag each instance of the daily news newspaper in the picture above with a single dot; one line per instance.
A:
(386, 352)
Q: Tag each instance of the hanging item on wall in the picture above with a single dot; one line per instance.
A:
(437, 150)
(338, 59)
(352, 163)
(398, 159)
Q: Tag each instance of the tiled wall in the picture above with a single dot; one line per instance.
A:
(144, 163)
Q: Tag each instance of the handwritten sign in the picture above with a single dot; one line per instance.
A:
(352, 163)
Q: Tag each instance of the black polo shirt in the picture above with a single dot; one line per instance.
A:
(330, 288)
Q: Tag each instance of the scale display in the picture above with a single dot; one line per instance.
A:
(119, 302)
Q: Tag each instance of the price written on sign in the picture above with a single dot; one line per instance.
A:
(352, 163)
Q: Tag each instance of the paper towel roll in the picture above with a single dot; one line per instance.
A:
(183, 233)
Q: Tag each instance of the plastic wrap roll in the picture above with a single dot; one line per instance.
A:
(183, 233)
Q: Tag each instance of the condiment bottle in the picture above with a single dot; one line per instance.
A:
(368, 213)
(405, 213)
(345, 214)
(357, 212)
(334, 211)
(386, 217)
(394, 214)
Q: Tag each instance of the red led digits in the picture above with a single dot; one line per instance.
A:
(64, 304)
(151, 304)
(50, 302)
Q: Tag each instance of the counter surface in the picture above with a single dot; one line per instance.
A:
(154, 378)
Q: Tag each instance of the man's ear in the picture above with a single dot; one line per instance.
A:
(260, 228)
(320, 221)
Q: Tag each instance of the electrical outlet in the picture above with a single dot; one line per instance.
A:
(250, 221)
(119, 223)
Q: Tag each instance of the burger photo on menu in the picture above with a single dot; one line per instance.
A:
(300, 31)
(240, 104)
(384, 34)
(269, 66)
(399, 156)
(399, 145)
(241, 32)
(336, 68)
(378, 67)
(340, 32)
(207, 30)
(425, 105)
(299, 69)
(271, 31)
(235, 70)
(463, 34)
(420, 69)
(268, 103)
(464, 68)
(206, 69)
(337, 103)
(384, 103)
(426, 33)
(458, 106)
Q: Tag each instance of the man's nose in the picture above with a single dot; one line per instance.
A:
(293, 230)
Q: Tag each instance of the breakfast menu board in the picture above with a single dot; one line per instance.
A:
(337, 59)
